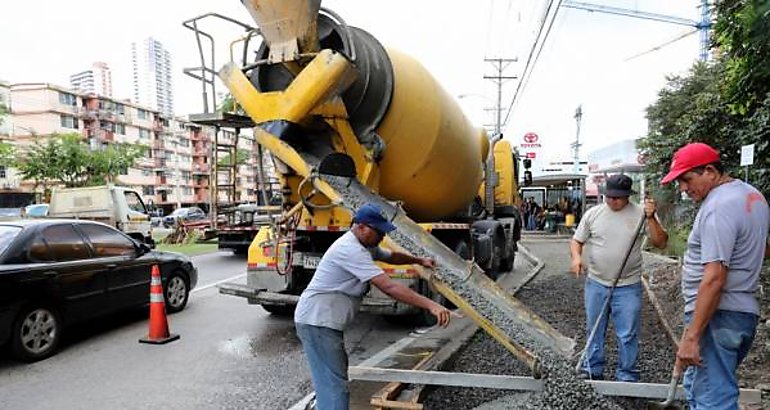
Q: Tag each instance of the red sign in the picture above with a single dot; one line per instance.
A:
(531, 138)
(530, 155)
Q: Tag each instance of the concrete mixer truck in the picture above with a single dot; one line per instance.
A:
(325, 97)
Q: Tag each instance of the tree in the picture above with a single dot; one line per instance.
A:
(3, 112)
(7, 154)
(742, 34)
(114, 160)
(69, 160)
(240, 158)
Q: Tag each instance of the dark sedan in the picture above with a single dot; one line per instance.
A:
(54, 273)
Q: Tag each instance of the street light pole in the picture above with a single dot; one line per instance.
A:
(576, 144)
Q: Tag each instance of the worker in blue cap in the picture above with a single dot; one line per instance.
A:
(331, 300)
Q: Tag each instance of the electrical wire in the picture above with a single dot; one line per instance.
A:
(658, 47)
(530, 65)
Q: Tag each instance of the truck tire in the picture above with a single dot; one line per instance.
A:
(36, 333)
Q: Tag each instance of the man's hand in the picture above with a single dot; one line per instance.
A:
(577, 266)
(427, 263)
(650, 207)
(689, 352)
(441, 313)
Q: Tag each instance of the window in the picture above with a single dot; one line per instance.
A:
(7, 234)
(187, 191)
(69, 122)
(67, 99)
(3, 172)
(107, 126)
(120, 108)
(144, 134)
(64, 244)
(134, 202)
(142, 114)
(120, 129)
(108, 242)
(149, 190)
(38, 251)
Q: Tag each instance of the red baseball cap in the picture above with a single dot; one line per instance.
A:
(690, 156)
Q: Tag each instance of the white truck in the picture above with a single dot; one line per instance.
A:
(120, 207)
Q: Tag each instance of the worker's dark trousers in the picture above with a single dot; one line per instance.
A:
(325, 351)
(725, 343)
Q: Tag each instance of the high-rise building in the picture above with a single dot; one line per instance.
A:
(152, 76)
(97, 80)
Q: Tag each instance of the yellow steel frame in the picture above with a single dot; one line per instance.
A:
(314, 92)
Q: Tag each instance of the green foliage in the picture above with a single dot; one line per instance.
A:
(241, 158)
(67, 159)
(3, 112)
(7, 154)
(742, 34)
(229, 104)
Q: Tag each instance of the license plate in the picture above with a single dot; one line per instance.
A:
(310, 262)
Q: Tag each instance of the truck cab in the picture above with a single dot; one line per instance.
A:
(120, 207)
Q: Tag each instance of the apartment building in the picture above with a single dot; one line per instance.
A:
(153, 85)
(97, 80)
(177, 167)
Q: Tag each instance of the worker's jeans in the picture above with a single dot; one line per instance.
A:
(625, 309)
(723, 346)
(325, 351)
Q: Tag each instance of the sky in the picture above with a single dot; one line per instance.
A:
(586, 60)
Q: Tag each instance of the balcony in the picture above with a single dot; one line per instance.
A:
(164, 188)
(160, 163)
(158, 144)
(198, 169)
(145, 162)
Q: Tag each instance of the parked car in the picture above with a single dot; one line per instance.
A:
(9, 213)
(36, 211)
(184, 215)
(57, 272)
(156, 217)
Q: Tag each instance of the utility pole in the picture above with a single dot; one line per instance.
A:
(500, 64)
(576, 145)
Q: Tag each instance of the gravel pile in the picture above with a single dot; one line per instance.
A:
(558, 298)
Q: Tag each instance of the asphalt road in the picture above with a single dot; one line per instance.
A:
(231, 355)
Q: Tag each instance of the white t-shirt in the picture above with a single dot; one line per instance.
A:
(609, 234)
(334, 294)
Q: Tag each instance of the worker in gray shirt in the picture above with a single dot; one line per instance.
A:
(331, 300)
(720, 275)
(610, 230)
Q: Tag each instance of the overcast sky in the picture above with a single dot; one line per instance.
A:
(585, 61)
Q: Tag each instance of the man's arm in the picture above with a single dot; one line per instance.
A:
(404, 294)
(576, 252)
(400, 258)
(706, 303)
(658, 236)
(767, 249)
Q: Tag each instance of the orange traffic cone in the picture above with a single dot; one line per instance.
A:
(158, 333)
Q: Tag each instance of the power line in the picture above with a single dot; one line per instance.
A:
(530, 66)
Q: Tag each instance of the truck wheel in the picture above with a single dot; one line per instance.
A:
(280, 310)
(176, 293)
(36, 333)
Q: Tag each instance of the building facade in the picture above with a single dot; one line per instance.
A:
(96, 80)
(153, 85)
(176, 168)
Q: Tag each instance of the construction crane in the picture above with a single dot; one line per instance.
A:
(703, 26)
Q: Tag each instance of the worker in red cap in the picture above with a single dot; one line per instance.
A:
(720, 275)
(330, 302)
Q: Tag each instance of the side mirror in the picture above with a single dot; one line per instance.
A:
(142, 248)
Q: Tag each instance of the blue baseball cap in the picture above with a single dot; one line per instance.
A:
(372, 215)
